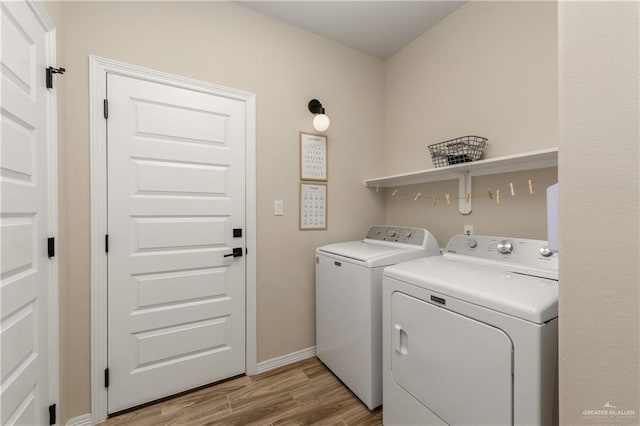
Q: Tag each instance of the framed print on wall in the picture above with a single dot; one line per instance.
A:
(313, 206)
(313, 157)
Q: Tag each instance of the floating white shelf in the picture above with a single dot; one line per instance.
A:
(464, 172)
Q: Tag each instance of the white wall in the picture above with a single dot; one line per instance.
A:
(599, 200)
(227, 44)
(488, 69)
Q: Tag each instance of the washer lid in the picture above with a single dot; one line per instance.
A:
(374, 254)
(523, 296)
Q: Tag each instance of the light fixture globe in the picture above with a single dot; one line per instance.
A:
(321, 122)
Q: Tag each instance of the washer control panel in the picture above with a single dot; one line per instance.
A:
(517, 251)
(397, 234)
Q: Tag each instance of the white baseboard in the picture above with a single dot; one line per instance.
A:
(83, 420)
(283, 360)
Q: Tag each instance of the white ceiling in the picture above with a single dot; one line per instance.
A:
(379, 28)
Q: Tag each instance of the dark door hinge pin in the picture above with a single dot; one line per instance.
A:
(51, 247)
(105, 105)
(52, 414)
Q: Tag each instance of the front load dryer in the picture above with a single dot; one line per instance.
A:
(349, 303)
(471, 337)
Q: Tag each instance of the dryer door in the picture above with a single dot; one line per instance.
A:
(457, 367)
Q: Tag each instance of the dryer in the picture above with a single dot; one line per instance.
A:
(471, 337)
(349, 303)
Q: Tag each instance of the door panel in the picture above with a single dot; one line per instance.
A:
(175, 193)
(175, 178)
(181, 286)
(24, 279)
(180, 123)
(457, 367)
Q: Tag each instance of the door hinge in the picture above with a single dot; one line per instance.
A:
(51, 247)
(106, 377)
(50, 72)
(106, 243)
(105, 105)
(52, 414)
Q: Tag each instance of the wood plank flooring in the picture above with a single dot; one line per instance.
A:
(303, 393)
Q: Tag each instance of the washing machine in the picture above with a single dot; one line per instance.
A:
(471, 337)
(349, 303)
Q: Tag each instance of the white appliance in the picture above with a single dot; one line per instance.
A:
(553, 217)
(349, 303)
(471, 337)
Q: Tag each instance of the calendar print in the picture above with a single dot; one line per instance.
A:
(313, 157)
(313, 206)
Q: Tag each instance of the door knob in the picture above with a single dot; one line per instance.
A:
(237, 252)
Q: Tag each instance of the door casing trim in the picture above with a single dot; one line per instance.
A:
(98, 68)
(51, 139)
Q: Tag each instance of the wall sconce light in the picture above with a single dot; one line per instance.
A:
(321, 121)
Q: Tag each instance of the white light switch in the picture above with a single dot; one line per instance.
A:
(278, 208)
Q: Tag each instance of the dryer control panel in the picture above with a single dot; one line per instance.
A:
(518, 252)
(398, 234)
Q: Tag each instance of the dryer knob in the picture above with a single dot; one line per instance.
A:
(392, 233)
(472, 243)
(545, 252)
(505, 247)
(408, 234)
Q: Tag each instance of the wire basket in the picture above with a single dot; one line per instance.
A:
(457, 151)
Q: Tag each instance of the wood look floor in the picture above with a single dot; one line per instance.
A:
(303, 393)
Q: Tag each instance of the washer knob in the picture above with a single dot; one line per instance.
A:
(408, 234)
(544, 251)
(472, 243)
(392, 233)
(505, 247)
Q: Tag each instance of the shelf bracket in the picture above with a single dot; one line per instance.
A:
(464, 187)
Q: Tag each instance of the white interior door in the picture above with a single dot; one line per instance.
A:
(25, 283)
(176, 191)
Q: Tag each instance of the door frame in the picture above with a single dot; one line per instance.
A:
(98, 69)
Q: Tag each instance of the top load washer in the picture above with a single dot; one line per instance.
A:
(471, 337)
(349, 303)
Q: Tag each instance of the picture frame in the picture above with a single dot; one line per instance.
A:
(313, 157)
(313, 206)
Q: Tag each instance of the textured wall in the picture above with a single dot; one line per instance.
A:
(488, 69)
(523, 216)
(224, 43)
(599, 221)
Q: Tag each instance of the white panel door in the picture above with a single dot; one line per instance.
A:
(176, 191)
(24, 220)
(457, 367)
